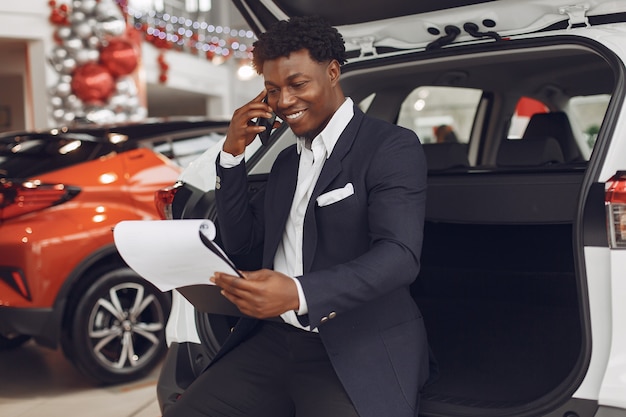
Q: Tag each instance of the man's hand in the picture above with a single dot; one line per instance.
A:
(261, 294)
(242, 130)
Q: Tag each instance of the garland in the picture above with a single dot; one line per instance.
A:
(97, 51)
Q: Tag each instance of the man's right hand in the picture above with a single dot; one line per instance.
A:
(242, 129)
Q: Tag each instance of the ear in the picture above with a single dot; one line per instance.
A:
(334, 71)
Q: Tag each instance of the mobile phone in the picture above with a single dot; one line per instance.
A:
(269, 125)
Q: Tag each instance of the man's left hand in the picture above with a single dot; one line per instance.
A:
(261, 294)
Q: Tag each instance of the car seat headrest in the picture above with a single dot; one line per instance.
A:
(530, 151)
(557, 126)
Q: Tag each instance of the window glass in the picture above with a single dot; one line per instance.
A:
(583, 114)
(440, 114)
(586, 115)
(182, 151)
(24, 156)
(364, 104)
(524, 109)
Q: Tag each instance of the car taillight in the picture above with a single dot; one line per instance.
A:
(18, 198)
(615, 201)
(163, 200)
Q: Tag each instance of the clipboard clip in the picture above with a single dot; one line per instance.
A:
(213, 248)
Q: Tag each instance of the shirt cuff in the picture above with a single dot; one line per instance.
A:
(304, 308)
(229, 161)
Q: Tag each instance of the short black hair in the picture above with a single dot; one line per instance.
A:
(322, 40)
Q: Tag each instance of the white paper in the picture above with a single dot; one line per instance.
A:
(169, 253)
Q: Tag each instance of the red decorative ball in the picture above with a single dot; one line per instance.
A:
(92, 83)
(119, 57)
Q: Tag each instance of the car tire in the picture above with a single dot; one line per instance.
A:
(213, 330)
(118, 327)
(13, 341)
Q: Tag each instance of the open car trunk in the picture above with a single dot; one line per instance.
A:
(498, 291)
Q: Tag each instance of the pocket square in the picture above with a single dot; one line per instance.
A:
(335, 195)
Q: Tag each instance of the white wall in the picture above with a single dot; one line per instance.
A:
(23, 33)
(190, 73)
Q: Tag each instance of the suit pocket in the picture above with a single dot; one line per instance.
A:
(345, 204)
(334, 196)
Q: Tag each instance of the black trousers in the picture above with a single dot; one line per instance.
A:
(279, 371)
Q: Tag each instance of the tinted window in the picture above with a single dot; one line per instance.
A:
(23, 157)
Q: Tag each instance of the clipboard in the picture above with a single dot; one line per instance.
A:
(181, 255)
(208, 299)
(171, 253)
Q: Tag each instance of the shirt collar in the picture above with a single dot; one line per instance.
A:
(334, 128)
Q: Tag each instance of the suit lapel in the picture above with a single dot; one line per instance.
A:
(332, 168)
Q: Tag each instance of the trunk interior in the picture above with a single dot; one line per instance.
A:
(499, 298)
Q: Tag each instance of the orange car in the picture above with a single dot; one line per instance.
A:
(61, 278)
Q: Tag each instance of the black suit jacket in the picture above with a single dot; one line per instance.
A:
(360, 255)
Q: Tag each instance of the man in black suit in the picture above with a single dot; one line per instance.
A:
(341, 224)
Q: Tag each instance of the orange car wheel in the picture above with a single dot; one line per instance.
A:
(118, 327)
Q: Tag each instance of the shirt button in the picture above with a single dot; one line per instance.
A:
(332, 315)
(324, 319)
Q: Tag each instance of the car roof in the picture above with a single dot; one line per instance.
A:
(406, 25)
(133, 131)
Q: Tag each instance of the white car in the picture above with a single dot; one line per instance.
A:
(523, 276)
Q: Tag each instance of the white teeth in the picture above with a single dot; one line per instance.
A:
(294, 116)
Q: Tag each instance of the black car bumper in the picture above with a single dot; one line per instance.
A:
(35, 322)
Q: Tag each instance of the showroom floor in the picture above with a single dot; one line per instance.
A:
(38, 382)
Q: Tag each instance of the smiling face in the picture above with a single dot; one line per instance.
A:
(303, 92)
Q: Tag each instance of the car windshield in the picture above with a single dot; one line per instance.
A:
(201, 171)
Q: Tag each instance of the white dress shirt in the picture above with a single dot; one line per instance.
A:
(288, 258)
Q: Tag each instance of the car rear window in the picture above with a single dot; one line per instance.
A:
(24, 157)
